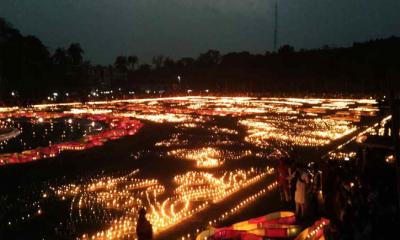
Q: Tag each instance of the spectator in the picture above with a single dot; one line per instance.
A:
(300, 194)
(295, 173)
(331, 231)
(283, 181)
(291, 178)
(315, 200)
(144, 230)
(329, 175)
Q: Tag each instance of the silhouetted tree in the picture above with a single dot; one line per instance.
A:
(210, 58)
(10, 42)
(132, 62)
(371, 67)
(169, 63)
(158, 61)
(75, 52)
(286, 49)
(60, 57)
(144, 68)
(185, 62)
(121, 63)
(7, 31)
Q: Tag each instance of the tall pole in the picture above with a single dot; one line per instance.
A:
(276, 26)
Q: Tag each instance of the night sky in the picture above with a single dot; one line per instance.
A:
(181, 28)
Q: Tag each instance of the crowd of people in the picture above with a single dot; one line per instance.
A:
(360, 205)
(298, 185)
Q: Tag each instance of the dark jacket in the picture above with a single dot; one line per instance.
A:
(144, 230)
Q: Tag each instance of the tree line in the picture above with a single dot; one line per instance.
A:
(29, 71)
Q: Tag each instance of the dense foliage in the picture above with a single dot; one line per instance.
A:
(29, 71)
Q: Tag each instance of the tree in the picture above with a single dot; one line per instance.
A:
(185, 62)
(7, 31)
(27, 65)
(169, 63)
(144, 68)
(158, 61)
(121, 63)
(237, 59)
(75, 53)
(120, 76)
(210, 58)
(60, 56)
(286, 49)
(10, 41)
(132, 62)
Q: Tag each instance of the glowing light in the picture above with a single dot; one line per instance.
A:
(269, 126)
(195, 192)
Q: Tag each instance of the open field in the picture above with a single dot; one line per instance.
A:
(188, 160)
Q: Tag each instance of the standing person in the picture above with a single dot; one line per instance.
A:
(144, 230)
(329, 188)
(300, 194)
(283, 181)
(294, 174)
(315, 205)
(291, 178)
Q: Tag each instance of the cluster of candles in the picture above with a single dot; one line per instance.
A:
(341, 155)
(30, 211)
(162, 118)
(236, 208)
(303, 131)
(238, 106)
(116, 192)
(209, 157)
(310, 132)
(316, 231)
(218, 130)
(219, 136)
(204, 157)
(195, 191)
(173, 141)
(7, 131)
(118, 127)
(180, 109)
(198, 190)
(271, 124)
(389, 159)
(375, 129)
(187, 125)
(31, 138)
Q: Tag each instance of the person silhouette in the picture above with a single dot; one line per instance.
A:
(283, 180)
(300, 194)
(144, 230)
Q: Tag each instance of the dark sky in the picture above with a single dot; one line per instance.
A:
(180, 28)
